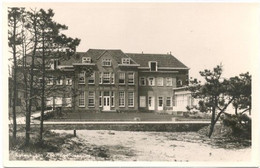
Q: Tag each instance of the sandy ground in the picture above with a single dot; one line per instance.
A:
(157, 146)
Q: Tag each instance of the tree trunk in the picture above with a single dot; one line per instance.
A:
(31, 92)
(43, 87)
(212, 124)
(14, 80)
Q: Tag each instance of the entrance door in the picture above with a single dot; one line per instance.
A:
(160, 103)
(106, 106)
(151, 103)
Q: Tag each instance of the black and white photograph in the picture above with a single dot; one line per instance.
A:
(129, 83)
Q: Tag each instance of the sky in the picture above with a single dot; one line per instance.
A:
(201, 35)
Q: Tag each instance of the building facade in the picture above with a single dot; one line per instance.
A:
(122, 82)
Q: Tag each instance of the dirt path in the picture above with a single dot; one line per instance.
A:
(158, 146)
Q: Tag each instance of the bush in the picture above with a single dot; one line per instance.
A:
(240, 125)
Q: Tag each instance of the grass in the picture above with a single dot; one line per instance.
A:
(84, 116)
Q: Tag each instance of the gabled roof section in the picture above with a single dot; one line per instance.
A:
(163, 60)
(96, 54)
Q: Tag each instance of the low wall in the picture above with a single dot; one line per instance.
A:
(160, 127)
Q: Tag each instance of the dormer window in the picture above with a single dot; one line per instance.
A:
(55, 63)
(153, 66)
(125, 60)
(106, 62)
(86, 60)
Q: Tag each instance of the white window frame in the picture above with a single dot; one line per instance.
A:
(59, 82)
(91, 77)
(159, 101)
(49, 81)
(167, 99)
(121, 98)
(120, 77)
(82, 74)
(68, 81)
(106, 62)
(86, 60)
(92, 93)
(58, 101)
(100, 77)
(150, 65)
(125, 61)
(108, 78)
(49, 101)
(140, 81)
(112, 77)
(66, 100)
(160, 81)
(168, 81)
(152, 80)
(128, 75)
(142, 104)
(82, 97)
(112, 99)
(179, 81)
(100, 99)
(131, 105)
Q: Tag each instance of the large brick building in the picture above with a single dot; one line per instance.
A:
(120, 81)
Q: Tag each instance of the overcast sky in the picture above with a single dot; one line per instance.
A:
(201, 35)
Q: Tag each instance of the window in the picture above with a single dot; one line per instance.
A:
(142, 101)
(121, 99)
(82, 99)
(131, 78)
(100, 99)
(168, 101)
(58, 81)
(91, 99)
(112, 99)
(82, 78)
(91, 79)
(67, 102)
(142, 81)
(121, 78)
(125, 60)
(106, 93)
(130, 99)
(179, 83)
(49, 101)
(68, 81)
(153, 66)
(159, 81)
(112, 80)
(168, 81)
(151, 81)
(54, 64)
(58, 101)
(49, 81)
(86, 60)
(106, 62)
(100, 77)
(160, 101)
(106, 77)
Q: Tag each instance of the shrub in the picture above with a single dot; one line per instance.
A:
(240, 125)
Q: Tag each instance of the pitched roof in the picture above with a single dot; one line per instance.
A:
(163, 60)
(95, 54)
